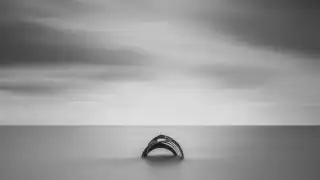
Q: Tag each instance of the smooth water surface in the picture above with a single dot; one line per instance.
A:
(111, 152)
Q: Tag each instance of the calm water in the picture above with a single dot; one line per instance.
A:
(105, 152)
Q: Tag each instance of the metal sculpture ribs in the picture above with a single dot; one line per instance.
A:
(166, 142)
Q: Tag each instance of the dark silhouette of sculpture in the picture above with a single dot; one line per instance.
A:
(166, 142)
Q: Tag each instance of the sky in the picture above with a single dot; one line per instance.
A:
(168, 62)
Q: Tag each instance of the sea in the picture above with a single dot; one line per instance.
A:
(114, 153)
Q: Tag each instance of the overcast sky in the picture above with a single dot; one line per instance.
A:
(168, 62)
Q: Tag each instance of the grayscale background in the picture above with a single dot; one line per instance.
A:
(85, 84)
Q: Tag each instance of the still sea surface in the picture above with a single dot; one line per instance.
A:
(113, 153)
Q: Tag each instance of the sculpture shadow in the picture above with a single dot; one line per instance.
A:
(163, 160)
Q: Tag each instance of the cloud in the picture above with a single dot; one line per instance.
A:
(37, 8)
(30, 88)
(236, 76)
(285, 26)
(78, 9)
(30, 45)
(27, 41)
(38, 51)
(56, 80)
(33, 44)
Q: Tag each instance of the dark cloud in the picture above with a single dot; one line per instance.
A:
(59, 82)
(27, 44)
(31, 88)
(33, 44)
(292, 4)
(236, 76)
(77, 9)
(43, 8)
(280, 25)
(24, 42)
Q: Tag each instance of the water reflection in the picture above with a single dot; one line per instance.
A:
(163, 160)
